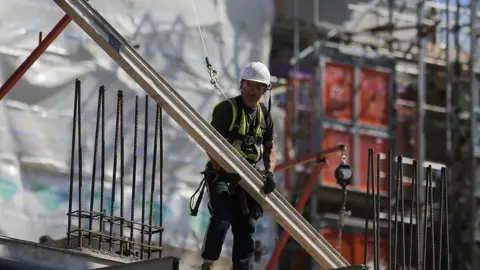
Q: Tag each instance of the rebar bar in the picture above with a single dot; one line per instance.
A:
(367, 218)
(412, 229)
(418, 182)
(144, 190)
(80, 170)
(374, 203)
(102, 177)
(425, 223)
(122, 175)
(446, 214)
(152, 186)
(432, 217)
(389, 180)
(397, 189)
(134, 172)
(440, 230)
(114, 177)
(160, 238)
(402, 206)
(94, 170)
(72, 161)
(377, 215)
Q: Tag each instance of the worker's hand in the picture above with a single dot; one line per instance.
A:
(269, 184)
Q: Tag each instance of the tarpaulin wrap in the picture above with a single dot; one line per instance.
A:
(36, 117)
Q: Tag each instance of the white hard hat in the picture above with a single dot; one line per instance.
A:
(256, 72)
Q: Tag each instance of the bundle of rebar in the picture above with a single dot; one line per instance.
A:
(126, 244)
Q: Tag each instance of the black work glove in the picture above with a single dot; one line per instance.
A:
(269, 184)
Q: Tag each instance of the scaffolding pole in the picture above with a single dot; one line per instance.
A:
(448, 85)
(39, 50)
(473, 130)
(390, 182)
(421, 100)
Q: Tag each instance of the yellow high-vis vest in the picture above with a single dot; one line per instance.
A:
(248, 145)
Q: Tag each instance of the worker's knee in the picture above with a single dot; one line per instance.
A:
(245, 229)
(219, 205)
(220, 223)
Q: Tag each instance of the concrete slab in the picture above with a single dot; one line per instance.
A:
(54, 258)
(167, 263)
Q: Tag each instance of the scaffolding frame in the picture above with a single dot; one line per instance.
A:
(457, 23)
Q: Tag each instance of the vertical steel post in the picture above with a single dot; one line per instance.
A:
(420, 108)
(473, 129)
(448, 85)
(393, 121)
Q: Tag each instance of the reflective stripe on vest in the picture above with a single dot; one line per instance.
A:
(242, 130)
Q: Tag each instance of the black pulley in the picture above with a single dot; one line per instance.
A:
(344, 174)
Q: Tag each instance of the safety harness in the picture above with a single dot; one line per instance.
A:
(247, 141)
(248, 145)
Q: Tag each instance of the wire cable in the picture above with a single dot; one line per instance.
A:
(212, 72)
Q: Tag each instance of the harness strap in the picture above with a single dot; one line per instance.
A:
(201, 188)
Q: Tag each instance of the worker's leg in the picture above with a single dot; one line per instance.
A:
(243, 230)
(219, 206)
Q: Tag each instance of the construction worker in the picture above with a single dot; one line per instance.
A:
(246, 123)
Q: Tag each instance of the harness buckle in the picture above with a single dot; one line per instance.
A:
(249, 140)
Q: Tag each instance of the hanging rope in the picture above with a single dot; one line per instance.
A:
(211, 71)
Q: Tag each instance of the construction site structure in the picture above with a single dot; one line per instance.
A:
(427, 45)
(207, 137)
(347, 116)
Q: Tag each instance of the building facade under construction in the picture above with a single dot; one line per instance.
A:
(103, 158)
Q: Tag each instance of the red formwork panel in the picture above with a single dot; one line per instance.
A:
(380, 146)
(338, 91)
(360, 247)
(331, 138)
(374, 108)
(353, 247)
(347, 243)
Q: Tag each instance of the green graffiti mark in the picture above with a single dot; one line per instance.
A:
(199, 223)
(49, 197)
(107, 203)
(156, 212)
(8, 188)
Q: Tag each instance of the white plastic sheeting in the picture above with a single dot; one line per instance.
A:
(36, 117)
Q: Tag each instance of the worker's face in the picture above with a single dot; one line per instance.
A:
(252, 92)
